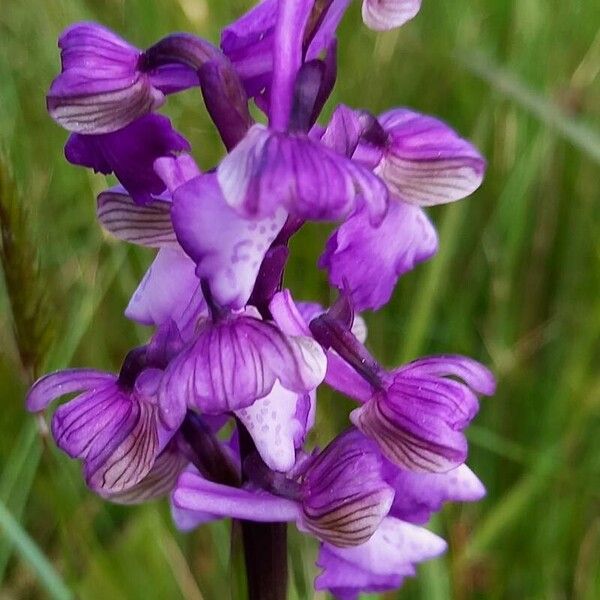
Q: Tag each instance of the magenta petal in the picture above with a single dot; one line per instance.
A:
(371, 259)
(227, 248)
(145, 225)
(419, 495)
(100, 88)
(234, 362)
(268, 170)
(170, 290)
(382, 15)
(54, 385)
(426, 162)
(196, 494)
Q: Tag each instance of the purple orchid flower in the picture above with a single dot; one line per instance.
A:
(274, 167)
(104, 84)
(116, 426)
(230, 344)
(349, 497)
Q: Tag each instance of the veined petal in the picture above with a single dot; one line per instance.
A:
(478, 377)
(371, 259)
(159, 481)
(419, 495)
(123, 461)
(268, 170)
(417, 420)
(54, 385)
(277, 426)
(101, 88)
(115, 431)
(227, 248)
(234, 362)
(196, 494)
(170, 290)
(130, 153)
(344, 496)
(382, 15)
(426, 162)
(145, 225)
(92, 420)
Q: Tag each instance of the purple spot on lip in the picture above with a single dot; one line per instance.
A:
(238, 250)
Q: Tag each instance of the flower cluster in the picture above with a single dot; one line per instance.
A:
(230, 343)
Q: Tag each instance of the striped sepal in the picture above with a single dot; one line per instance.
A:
(145, 225)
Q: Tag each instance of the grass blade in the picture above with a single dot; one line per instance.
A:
(33, 556)
(581, 135)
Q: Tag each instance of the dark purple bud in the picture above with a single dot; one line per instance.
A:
(225, 100)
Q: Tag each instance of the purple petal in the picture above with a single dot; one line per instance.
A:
(426, 162)
(419, 495)
(227, 248)
(382, 15)
(474, 374)
(100, 88)
(170, 79)
(388, 557)
(347, 128)
(292, 18)
(54, 385)
(418, 419)
(248, 43)
(175, 171)
(267, 170)
(339, 375)
(115, 432)
(286, 314)
(130, 153)
(346, 580)
(159, 481)
(145, 225)
(276, 427)
(344, 496)
(170, 290)
(234, 362)
(371, 259)
(120, 462)
(196, 494)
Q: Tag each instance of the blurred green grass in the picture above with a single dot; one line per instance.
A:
(516, 284)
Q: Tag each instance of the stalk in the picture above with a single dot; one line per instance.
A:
(265, 547)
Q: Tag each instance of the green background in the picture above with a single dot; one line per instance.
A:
(516, 284)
